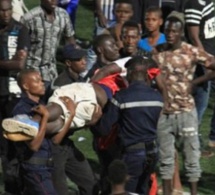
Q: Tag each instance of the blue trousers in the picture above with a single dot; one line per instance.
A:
(38, 183)
(141, 164)
(201, 96)
(71, 9)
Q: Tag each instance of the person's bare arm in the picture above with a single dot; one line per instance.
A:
(106, 71)
(161, 86)
(16, 63)
(35, 144)
(193, 32)
(71, 106)
(209, 75)
(102, 20)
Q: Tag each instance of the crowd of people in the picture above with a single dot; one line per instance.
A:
(141, 89)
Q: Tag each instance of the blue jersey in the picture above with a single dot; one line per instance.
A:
(144, 44)
(69, 5)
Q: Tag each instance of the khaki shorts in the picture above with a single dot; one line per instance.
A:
(81, 93)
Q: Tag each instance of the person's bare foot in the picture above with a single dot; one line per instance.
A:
(211, 143)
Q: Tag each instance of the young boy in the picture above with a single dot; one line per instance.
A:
(123, 12)
(118, 177)
(153, 22)
(35, 156)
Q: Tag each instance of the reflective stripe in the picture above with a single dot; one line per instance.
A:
(115, 102)
(140, 104)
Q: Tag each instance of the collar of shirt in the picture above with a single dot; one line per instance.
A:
(143, 83)
(29, 101)
(79, 79)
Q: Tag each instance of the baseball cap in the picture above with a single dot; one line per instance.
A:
(73, 52)
(178, 15)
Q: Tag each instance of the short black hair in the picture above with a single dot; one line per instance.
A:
(131, 24)
(141, 61)
(117, 172)
(99, 41)
(124, 1)
(22, 74)
(155, 9)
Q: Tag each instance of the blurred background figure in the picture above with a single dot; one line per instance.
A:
(71, 7)
(104, 16)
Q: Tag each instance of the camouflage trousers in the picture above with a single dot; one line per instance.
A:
(182, 129)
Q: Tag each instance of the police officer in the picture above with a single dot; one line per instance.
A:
(136, 110)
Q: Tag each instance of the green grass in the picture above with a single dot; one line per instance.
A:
(84, 30)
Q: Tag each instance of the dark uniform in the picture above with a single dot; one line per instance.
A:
(14, 38)
(136, 110)
(35, 166)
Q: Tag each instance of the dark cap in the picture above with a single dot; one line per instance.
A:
(73, 52)
(178, 15)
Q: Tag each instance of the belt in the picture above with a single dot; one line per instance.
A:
(142, 145)
(40, 161)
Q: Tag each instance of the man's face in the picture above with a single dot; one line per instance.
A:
(110, 50)
(49, 5)
(78, 66)
(34, 84)
(152, 21)
(5, 12)
(173, 32)
(123, 12)
(130, 37)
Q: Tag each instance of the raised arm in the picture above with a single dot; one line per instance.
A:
(117, 66)
(106, 71)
